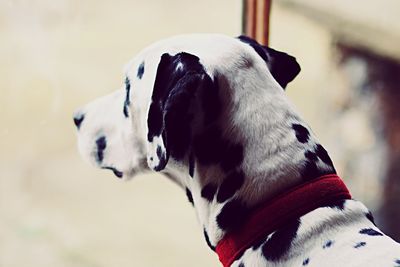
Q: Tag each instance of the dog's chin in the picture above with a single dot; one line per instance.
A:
(128, 175)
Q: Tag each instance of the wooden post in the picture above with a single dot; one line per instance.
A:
(255, 20)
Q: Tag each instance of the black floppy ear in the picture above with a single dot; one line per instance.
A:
(179, 78)
(283, 67)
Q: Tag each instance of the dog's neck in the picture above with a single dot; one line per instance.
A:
(254, 151)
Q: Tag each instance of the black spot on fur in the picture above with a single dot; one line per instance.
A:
(323, 155)
(258, 244)
(140, 70)
(162, 159)
(78, 119)
(189, 196)
(370, 217)
(208, 240)
(230, 185)
(302, 134)
(279, 243)
(306, 261)
(115, 171)
(338, 204)
(126, 113)
(101, 144)
(233, 214)
(161, 164)
(241, 264)
(370, 231)
(208, 192)
(211, 148)
(191, 165)
(397, 261)
(232, 156)
(360, 244)
(310, 171)
(328, 244)
(310, 155)
(283, 67)
(127, 97)
(159, 152)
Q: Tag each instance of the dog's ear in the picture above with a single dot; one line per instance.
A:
(283, 67)
(179, 79)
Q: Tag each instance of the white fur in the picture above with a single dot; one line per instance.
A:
(255, 113)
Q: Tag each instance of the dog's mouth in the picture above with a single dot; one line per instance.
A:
(129, 174)
(116, 172)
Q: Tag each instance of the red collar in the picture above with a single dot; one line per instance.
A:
(293, 204)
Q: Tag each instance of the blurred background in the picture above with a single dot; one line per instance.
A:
(56, 55)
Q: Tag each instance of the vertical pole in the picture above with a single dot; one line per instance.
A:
(255, 21)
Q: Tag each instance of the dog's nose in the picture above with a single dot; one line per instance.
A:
(78, 118)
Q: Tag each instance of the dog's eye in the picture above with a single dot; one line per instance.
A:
(127, 97)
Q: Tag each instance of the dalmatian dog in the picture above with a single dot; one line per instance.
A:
(210, 112)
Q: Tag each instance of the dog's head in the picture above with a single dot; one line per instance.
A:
(171, 91)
